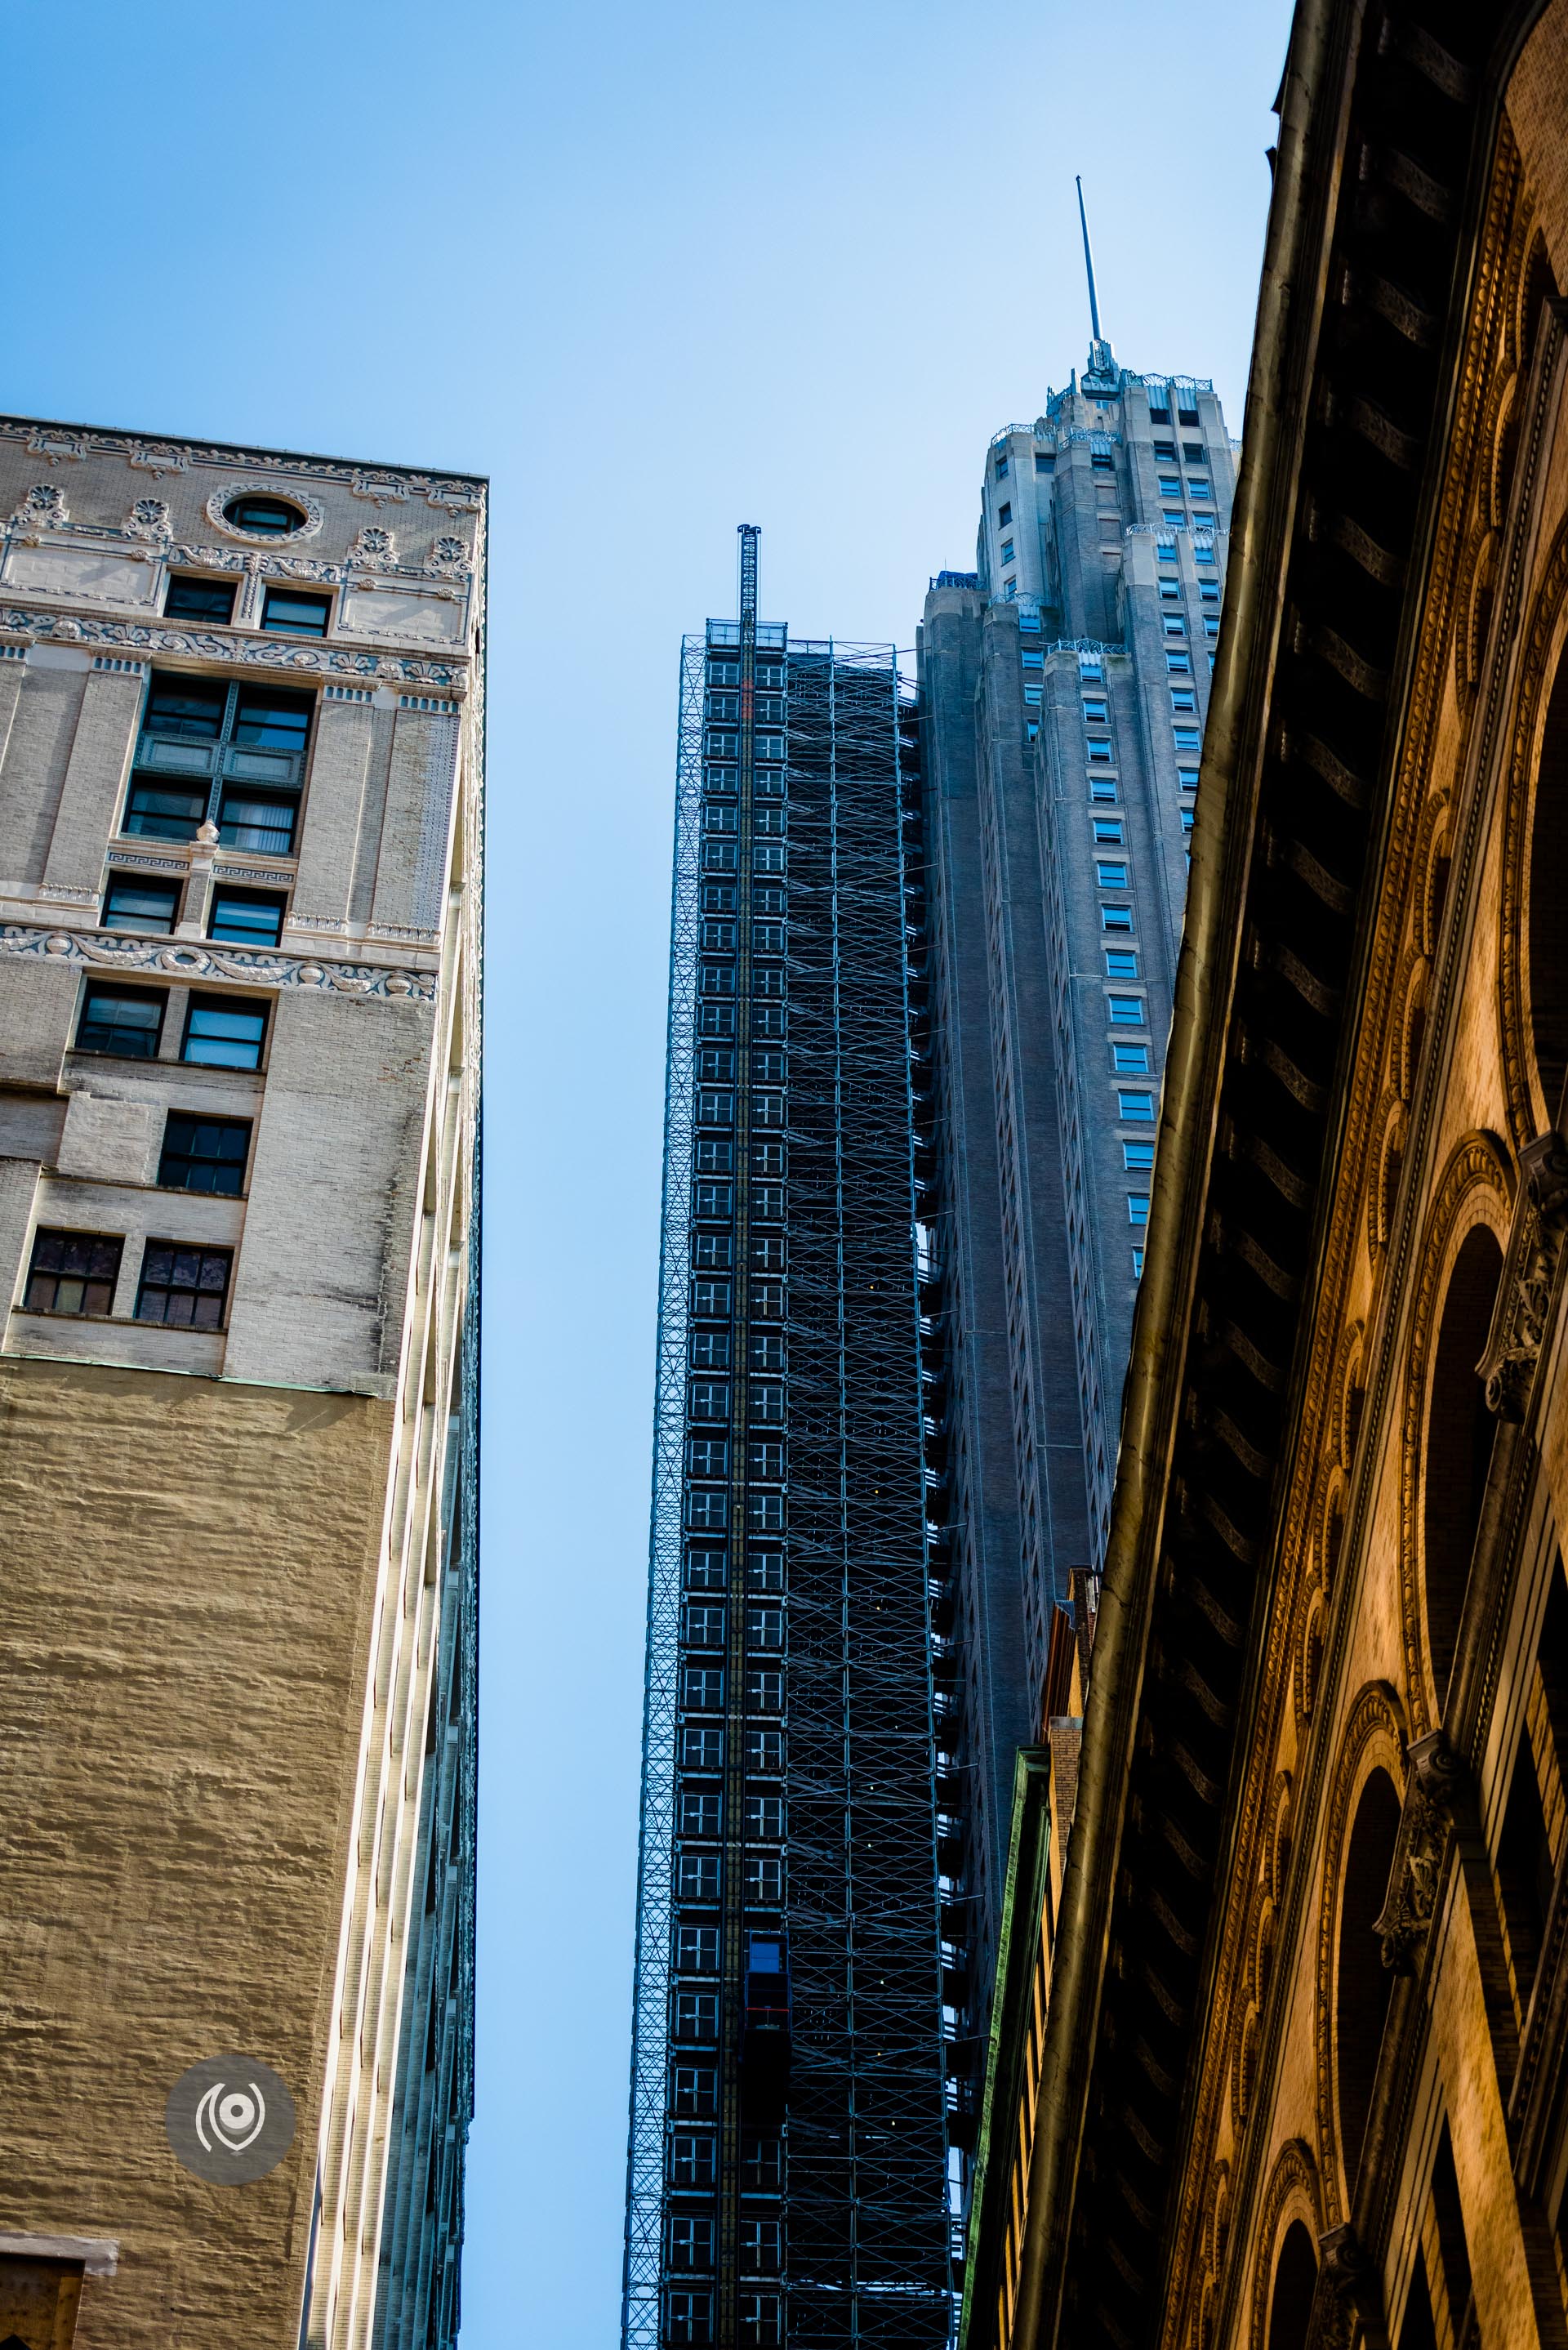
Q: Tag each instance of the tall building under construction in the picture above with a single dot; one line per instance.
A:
(240, 742)
(788, 2136)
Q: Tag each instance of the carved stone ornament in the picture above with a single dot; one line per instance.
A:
(1529, 1278)
(211, 558)
(374, 549)
(1436, 1791)
(381, 489)
(163, 957)
(249, 652)
(1352, 2271)
(314, 513)
(48, 442)
(149, 518)
(449, 560)
(458, 497)
(43, 508)
(156, 458)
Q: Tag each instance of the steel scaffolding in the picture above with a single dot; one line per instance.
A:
(787, 2165)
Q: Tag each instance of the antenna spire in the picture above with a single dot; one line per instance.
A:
(1102, 358)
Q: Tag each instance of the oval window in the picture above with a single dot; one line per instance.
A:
(267, 517)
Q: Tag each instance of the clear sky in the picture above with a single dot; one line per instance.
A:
(656, 270)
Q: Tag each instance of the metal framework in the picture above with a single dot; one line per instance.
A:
(787, 2164)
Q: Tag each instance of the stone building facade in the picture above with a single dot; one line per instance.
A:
(241, 776)
(1303, 2076)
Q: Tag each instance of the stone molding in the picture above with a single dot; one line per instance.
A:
(256, 652)
(315, 512)
(164, 958)
(53, 442)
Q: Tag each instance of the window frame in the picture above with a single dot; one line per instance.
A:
(277, 899)
(146, 1282)
(249, 1004)
(245, 1125)
(221, 767)
(112, 988)
(44, 1233)
(213, 585)
(121, 877)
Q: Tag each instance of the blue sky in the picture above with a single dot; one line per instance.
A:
(656, 270)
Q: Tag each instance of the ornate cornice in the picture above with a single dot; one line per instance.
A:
(68, 442)
(252, 651)
(175, 959)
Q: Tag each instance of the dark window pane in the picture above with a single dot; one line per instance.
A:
(301, 615)
(126, 1023)
(270, 517)
(245, 919)
(183, 1287)
(281, 720)
(165, 811)
(72, 1272)
(185, 706)
(204, 1154)
(139, 905)
(200, 599)
(224, 1035)
(265, 826)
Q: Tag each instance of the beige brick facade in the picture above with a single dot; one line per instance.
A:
(233, 1534)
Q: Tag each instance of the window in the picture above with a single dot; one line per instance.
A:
(702, 1689)
(1165, 452)
(1172, 515)
(1188, 738)
(1121, 963)
(707, 1456)
(765, 1627)
(764, 1751)
(1115, 918)
(1034, 695)
(765, 1819)
(762, 2321)
(1028, 619)
(1195, 488)
(703, 1750)
(691, 2242)
(230, 754)
(1095, 713)
(1091, 669)
(224, 1033)
(701, 1811)
(1186, 779)
(696, 1949)
(1111, 877)
(1107, 828)
(1007, 550)
(1126, 1010)
(1135, 1107)
(1138, 1158)
(765, 1571)
(1137, 1207)
(1001, 464)
(715, 1199)
(1009, 587)
(1187, 814)
(130, 903)
(186, 1287)
(1103, 788)
(691, 2164)
(1184, 414)
(1178, 665)
(1099, 749)
(126, 1021)
(696, 2015)
(690, 2319)
(1158, 405)
(1165, 548)
(264, 517)
(761, 2247)
(1033, 661)
(1137, 1263)
(245, 917)
(696, 2086)
(1168, 488)
(764, 1880)
(204, 1154)
(724, 672)
(1130, 1060)
(1170, 591)
(1208, 591)
(73, 1273)
(1101, 462)
(1210, 625)
(294, 614)
(211, 601)
(712, 1251)
(1003, 516)
(1193, 452)
(706, 1570)
(1174, 626)
(1044, 464)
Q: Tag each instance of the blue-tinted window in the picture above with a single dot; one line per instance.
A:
(1130, 1060)
(1132, 1107)
(1115, 918)
(1138, 1157)
(1121, 963)
(1137, 1207)
(296, 615)
(130, 903)
(245, 918)
(221, 1032)
(125, 1021)
(209, 601)
(1126, 1010)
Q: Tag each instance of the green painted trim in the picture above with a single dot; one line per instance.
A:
(1022, 1911)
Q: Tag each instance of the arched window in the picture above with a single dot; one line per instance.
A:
(1459, 1431)
(1365, 1983)
(1295, 2282)
(1545, 930)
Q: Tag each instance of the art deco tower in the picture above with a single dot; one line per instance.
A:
(1065, 684)
(240, 809)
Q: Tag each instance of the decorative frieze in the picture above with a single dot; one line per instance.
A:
(213, 644)
(162, 958)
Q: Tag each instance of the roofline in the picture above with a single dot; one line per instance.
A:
(240, 448)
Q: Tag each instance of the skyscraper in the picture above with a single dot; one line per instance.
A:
(1063, 685)
(241, 803)
(788, 2157)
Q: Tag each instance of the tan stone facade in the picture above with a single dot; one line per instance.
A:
(1305, 2073)
(240, 822)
